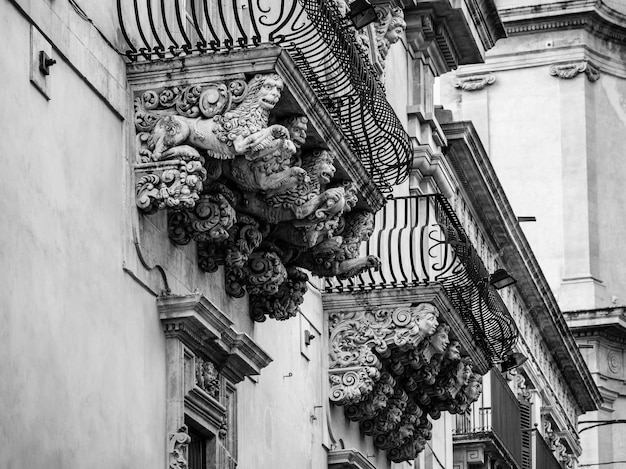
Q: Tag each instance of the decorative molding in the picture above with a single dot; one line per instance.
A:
(256, 199)
(348, 459)
(571, 70)
(614, 360)
(205, 359)
(474, 82)
(198, 324)
(393, 369)
(177, 448)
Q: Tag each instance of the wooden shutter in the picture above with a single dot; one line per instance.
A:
(526, 424)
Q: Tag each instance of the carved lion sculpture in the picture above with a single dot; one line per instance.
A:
(236, 132)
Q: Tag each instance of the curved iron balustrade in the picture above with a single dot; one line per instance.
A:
(315, 35)
(421, 241)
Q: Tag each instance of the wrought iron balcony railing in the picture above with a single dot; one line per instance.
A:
(421, 241)
(316, 36)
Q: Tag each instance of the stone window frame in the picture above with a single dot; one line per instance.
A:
(197, 333)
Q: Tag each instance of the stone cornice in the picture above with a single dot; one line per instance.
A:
(462, 36)
(201, 326)
(348, 459)
(606, 323)
(487, 196)
(593, 15)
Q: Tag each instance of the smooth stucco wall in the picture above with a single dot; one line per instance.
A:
(555, 144)
(82, 377)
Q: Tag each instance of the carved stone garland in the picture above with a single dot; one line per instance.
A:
(571, 70)
(393, 368)
(246, 192)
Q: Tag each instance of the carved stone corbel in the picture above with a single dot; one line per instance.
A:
(359, 340)
(474, 82)
(389, 28)
(248, 191)
(571, 70)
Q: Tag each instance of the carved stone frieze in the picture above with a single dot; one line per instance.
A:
(474, 82)
(256, 199)
(571, 70)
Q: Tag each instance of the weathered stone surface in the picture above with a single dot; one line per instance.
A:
(256, 201)
(393, 369)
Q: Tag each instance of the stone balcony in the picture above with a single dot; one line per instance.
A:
(269, 147)
(414, 339)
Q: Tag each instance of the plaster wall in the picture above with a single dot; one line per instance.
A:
(555, 143)
(519, 124)
(606, 362)
(82, 380)
(84, 377)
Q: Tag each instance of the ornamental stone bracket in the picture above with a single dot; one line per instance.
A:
(396, 367)
(374, 40)
(251, 168)
(474, 82)
(571, 70)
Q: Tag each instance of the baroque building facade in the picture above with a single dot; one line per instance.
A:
(263, 245)
(559, 76)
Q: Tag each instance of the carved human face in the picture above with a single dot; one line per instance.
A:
(270, 92)
(440, 340)
(453, 352)
(394, 34)
(297, 130)
(474, 390)
(428, 323)
(463, 373)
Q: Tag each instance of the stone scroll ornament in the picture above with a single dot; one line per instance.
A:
(359, 341)
(248, 191)
(395, 369)
(571, 70)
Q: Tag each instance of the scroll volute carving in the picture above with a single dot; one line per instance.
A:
(389, 28)
(395, 369)
(247, 191)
